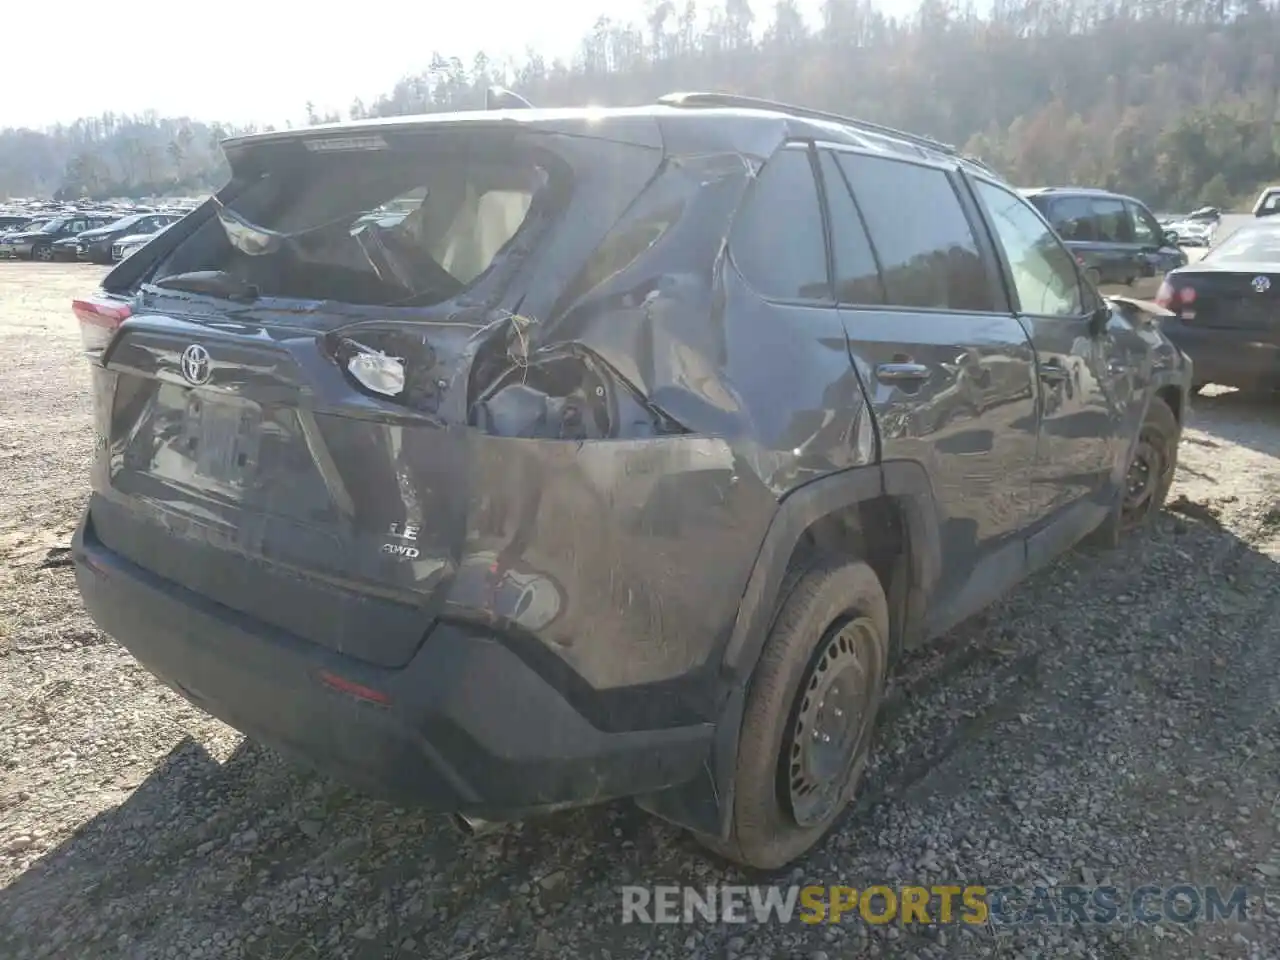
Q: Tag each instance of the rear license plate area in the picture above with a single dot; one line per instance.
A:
(222, 439)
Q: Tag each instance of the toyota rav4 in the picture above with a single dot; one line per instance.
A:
(625, 464)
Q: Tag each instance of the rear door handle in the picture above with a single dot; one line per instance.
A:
(902, 372)
(1053, 372)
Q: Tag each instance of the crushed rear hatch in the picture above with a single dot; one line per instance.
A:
(472, 369)
(286, 382)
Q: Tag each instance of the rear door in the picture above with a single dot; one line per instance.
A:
(1081, 403)
(1155, 257)
(1099, 232)
(948, 368)
(809, 418)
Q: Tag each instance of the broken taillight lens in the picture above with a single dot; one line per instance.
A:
(99, 320)
(378, 372)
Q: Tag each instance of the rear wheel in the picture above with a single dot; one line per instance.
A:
(42, 253)
(1149, 475)
(810, 714)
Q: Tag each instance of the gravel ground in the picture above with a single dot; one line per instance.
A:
(1116, 718)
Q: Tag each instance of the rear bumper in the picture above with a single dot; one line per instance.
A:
(467, 725)
(1233, 358)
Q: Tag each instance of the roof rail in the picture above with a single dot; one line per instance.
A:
(700, 99)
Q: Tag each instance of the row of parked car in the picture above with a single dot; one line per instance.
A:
(105, 234)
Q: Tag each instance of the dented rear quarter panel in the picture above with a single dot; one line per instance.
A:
(645, 546)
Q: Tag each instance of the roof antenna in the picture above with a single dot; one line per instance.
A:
(500, 98)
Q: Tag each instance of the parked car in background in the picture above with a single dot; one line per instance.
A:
(7, 249)
(13, 221)
(29, 217)
(66, 249)
(1116, 238)
(1268, 203)
(96, 245)
(1205, 215)
(127, 246)
(1193, 233)
(38, 244)
(1226, 310)
(625, 465)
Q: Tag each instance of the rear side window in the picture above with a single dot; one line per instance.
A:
(1073, 218)
(857, 277)
(777, 240)
(920, 234)
(1044, 274)
(1145, 229)
(1114, 225)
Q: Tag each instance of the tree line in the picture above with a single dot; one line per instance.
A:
(1174, 101)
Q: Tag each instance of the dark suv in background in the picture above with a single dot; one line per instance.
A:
(1116, 238)
(625, 464)
(95, 245)
(38, 244)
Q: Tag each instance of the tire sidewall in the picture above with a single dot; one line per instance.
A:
(1161, 421)
(764, 833)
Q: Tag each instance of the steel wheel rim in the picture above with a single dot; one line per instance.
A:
(1142, 478)
(830, 726)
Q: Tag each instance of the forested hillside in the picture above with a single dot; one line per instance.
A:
(1172, 100)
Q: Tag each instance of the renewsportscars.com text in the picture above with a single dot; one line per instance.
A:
(940, 903)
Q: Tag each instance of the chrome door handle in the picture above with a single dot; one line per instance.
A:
(1053, 373)
(899, 372)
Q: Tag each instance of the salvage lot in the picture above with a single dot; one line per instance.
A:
(1116, 719)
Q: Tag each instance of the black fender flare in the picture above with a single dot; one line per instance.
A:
(1179, 377)
(706, 803)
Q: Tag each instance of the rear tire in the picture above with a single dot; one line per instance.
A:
(43, 254)
(1149, 476)
(805, 741)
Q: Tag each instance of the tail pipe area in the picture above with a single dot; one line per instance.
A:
(474, 826)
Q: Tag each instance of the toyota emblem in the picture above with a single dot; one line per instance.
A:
(196, 365)
(1261, 284)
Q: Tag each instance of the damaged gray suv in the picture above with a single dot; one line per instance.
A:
(507, 461)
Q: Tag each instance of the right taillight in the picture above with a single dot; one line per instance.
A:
(99, 320)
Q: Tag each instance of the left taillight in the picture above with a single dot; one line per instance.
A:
(99, 320)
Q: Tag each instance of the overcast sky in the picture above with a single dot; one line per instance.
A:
(261, 60)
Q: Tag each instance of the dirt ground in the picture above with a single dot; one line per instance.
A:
(1116, 719)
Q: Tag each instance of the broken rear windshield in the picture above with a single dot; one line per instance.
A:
(372, 227)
